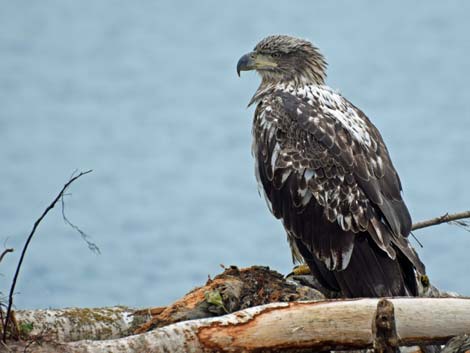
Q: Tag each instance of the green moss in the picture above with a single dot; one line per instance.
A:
(81, 318)
(25, 329)
(215, 298)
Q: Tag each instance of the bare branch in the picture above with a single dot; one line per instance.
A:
(447, 218)
(28, 240)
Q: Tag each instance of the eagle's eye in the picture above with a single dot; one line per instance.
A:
(276, 55)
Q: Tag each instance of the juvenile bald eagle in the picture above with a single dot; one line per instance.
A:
(326, 173)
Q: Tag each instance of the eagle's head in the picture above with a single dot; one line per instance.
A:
(282, 58)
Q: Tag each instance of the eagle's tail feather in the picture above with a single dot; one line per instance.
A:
(370, 273)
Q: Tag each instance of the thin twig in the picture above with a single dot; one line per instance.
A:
(6, 251)
(417, 240)
(92, 246)
(28, 240)
(442, 219)
(465, 225)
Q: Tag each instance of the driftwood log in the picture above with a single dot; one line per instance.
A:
(299, 326)
(234, 289)
(75, 324)
(268, 313)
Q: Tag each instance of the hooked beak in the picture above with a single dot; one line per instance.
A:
(255, 61)
(246, 63)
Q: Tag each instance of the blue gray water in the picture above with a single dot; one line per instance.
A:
(145, 94)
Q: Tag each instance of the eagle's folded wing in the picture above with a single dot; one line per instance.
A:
(326, 154)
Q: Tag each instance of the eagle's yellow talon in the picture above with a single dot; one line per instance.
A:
(301, 270)
(424, 279)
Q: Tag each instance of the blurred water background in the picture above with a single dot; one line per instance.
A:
(145, 93)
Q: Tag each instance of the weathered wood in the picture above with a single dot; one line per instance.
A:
(230, 291)
(384, 328)
(74, 324)
(296, 326)
(234, 289)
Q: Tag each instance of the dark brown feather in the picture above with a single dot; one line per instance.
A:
(338, 199)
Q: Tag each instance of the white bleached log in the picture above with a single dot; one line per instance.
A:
(339, 324)
(74, 324)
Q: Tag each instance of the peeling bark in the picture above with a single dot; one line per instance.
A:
(296, 326)
(234, 289)
(289, 324)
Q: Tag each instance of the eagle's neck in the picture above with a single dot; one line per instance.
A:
(309, 70)
(263, 90)
(269, 86)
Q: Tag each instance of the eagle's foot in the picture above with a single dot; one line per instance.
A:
(424, 279)
(300, 270)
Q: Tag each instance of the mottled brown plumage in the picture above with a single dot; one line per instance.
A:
(326, 173)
